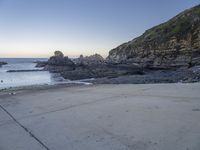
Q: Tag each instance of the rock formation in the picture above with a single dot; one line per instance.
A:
(3, 63)
(169, 52)
(40, 64)
(59, 63)
(95, 59)
(175, 43)
(93, 66)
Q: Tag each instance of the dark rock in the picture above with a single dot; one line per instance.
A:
(59, 63)
(159, 76)
(99, 71)
(77, 74)
(58, 69)
(3, 63)
(33, 70)
(95, 59)
(88, 67)
(197, 109)
(195, 69)
(40, 64)
(59, 60)
(95, 66)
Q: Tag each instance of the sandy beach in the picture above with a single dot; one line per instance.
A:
(102, 117)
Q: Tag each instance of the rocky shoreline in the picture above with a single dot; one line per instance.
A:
(94, 66)
(167, 53)
(107, 72)
(151, 77)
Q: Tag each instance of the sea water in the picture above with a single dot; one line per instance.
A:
(16, 79)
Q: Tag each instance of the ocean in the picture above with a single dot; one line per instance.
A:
(17, 79)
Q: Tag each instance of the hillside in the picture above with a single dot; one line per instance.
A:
(171, 44)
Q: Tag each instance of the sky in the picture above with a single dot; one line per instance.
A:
(36, 28)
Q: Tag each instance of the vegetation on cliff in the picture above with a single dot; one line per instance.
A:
(175, 42)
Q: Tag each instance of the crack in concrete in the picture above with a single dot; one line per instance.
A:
(82, 104)
(100, 100)
(23, 127)
(70, 107)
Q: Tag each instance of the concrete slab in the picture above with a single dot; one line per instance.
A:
(13, 137)
(4, 117)
(106, 117)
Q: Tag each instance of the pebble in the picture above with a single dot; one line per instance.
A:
(12, 93)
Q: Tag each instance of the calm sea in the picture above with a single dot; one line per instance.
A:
(15, 79)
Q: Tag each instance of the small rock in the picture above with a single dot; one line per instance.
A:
(12, 93)
(196, 109)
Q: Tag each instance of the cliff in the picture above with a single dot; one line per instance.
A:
(174, 43)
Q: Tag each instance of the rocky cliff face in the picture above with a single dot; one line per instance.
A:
(171, 44)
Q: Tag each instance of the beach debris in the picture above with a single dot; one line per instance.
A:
(12, 93)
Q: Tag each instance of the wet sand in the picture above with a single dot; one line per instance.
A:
(101, 117)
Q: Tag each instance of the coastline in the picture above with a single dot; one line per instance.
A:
(99, 86)
(94, 83)
(35, 88)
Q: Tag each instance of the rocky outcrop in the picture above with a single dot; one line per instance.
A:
(99, 71)
(156, 76)
(169, 52)
(175, 43)
(95, 59)
(3, 63)
(95, 66)
(41, 64)
(59, 63)
(87, 67)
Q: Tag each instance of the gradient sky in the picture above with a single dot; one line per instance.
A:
(35, 28)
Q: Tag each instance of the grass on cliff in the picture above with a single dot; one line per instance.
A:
(178, 26)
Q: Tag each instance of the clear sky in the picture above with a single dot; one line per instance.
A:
(35, 28)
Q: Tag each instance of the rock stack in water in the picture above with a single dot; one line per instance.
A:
(59, 63)
(3, 63)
